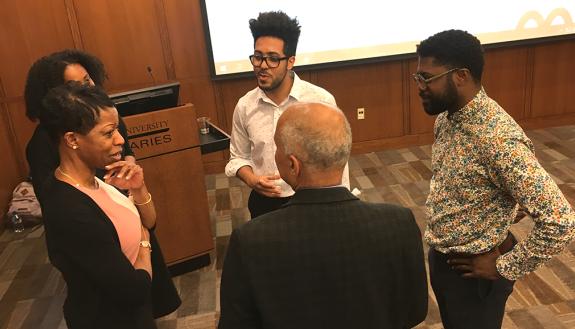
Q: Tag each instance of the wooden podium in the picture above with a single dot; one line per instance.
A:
(167, 146)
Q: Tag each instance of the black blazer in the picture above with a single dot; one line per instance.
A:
(104, 289)
(325, 260)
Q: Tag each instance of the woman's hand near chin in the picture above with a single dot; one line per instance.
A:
(125, 175)
(129, 176)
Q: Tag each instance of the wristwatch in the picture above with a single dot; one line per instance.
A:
(146, 244)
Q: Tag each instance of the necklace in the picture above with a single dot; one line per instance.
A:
(94, 186)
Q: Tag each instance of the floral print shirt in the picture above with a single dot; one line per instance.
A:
(484, 166)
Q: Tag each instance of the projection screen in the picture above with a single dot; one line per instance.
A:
(339, 32)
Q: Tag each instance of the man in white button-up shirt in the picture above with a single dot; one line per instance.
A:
(252, 146)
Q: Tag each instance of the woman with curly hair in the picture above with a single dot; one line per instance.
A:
(46, 73)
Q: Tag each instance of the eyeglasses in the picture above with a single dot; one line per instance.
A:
(272, 61)
(423, 82)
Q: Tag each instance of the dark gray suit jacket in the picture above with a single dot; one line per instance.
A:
(325, 260)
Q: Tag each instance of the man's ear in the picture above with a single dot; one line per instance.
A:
(295, 165)
(462, 77)
(290, 62)
(71, 140)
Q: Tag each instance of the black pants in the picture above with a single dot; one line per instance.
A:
(259, 204)
(467, 303)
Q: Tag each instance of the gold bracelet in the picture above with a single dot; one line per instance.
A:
(145, 202)
(146, 244)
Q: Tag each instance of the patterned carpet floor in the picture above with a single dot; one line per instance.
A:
(32, 291)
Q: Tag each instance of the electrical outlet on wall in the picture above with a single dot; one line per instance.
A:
(360, 113)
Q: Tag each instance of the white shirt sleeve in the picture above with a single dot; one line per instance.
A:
(240, 145)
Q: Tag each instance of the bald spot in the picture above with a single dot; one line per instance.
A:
(315, 118)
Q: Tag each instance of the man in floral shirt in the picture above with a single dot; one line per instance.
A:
(483, 166)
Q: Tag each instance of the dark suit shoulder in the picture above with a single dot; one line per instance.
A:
(386, 209)
(355, 214)
(391, 216)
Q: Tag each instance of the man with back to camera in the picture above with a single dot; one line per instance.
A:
(483, 166)
(325, 259)
(255, 116)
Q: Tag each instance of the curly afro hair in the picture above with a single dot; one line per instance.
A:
(277, 24)
(454, 49)
(48, 72)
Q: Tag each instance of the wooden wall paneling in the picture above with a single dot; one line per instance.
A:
(527, 111)
(2, 91)
(553, 83)
(126, 36)
(548, 121)
(165, 38)
(200, 92)
(391, 143)
(191, 65)
(217, 167)
(377, 88)
(187, 41)
(214, 157)
(504, 78)
(73, 22)
(30, 29)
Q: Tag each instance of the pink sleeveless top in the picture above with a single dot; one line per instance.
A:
(122, 213)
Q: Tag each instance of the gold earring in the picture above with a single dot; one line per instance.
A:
(74, 147)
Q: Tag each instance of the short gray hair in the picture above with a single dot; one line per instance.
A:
(315, 146)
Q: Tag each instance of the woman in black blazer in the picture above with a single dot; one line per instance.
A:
(96, 236)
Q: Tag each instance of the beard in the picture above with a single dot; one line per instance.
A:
(273, 81)
(439, 103)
